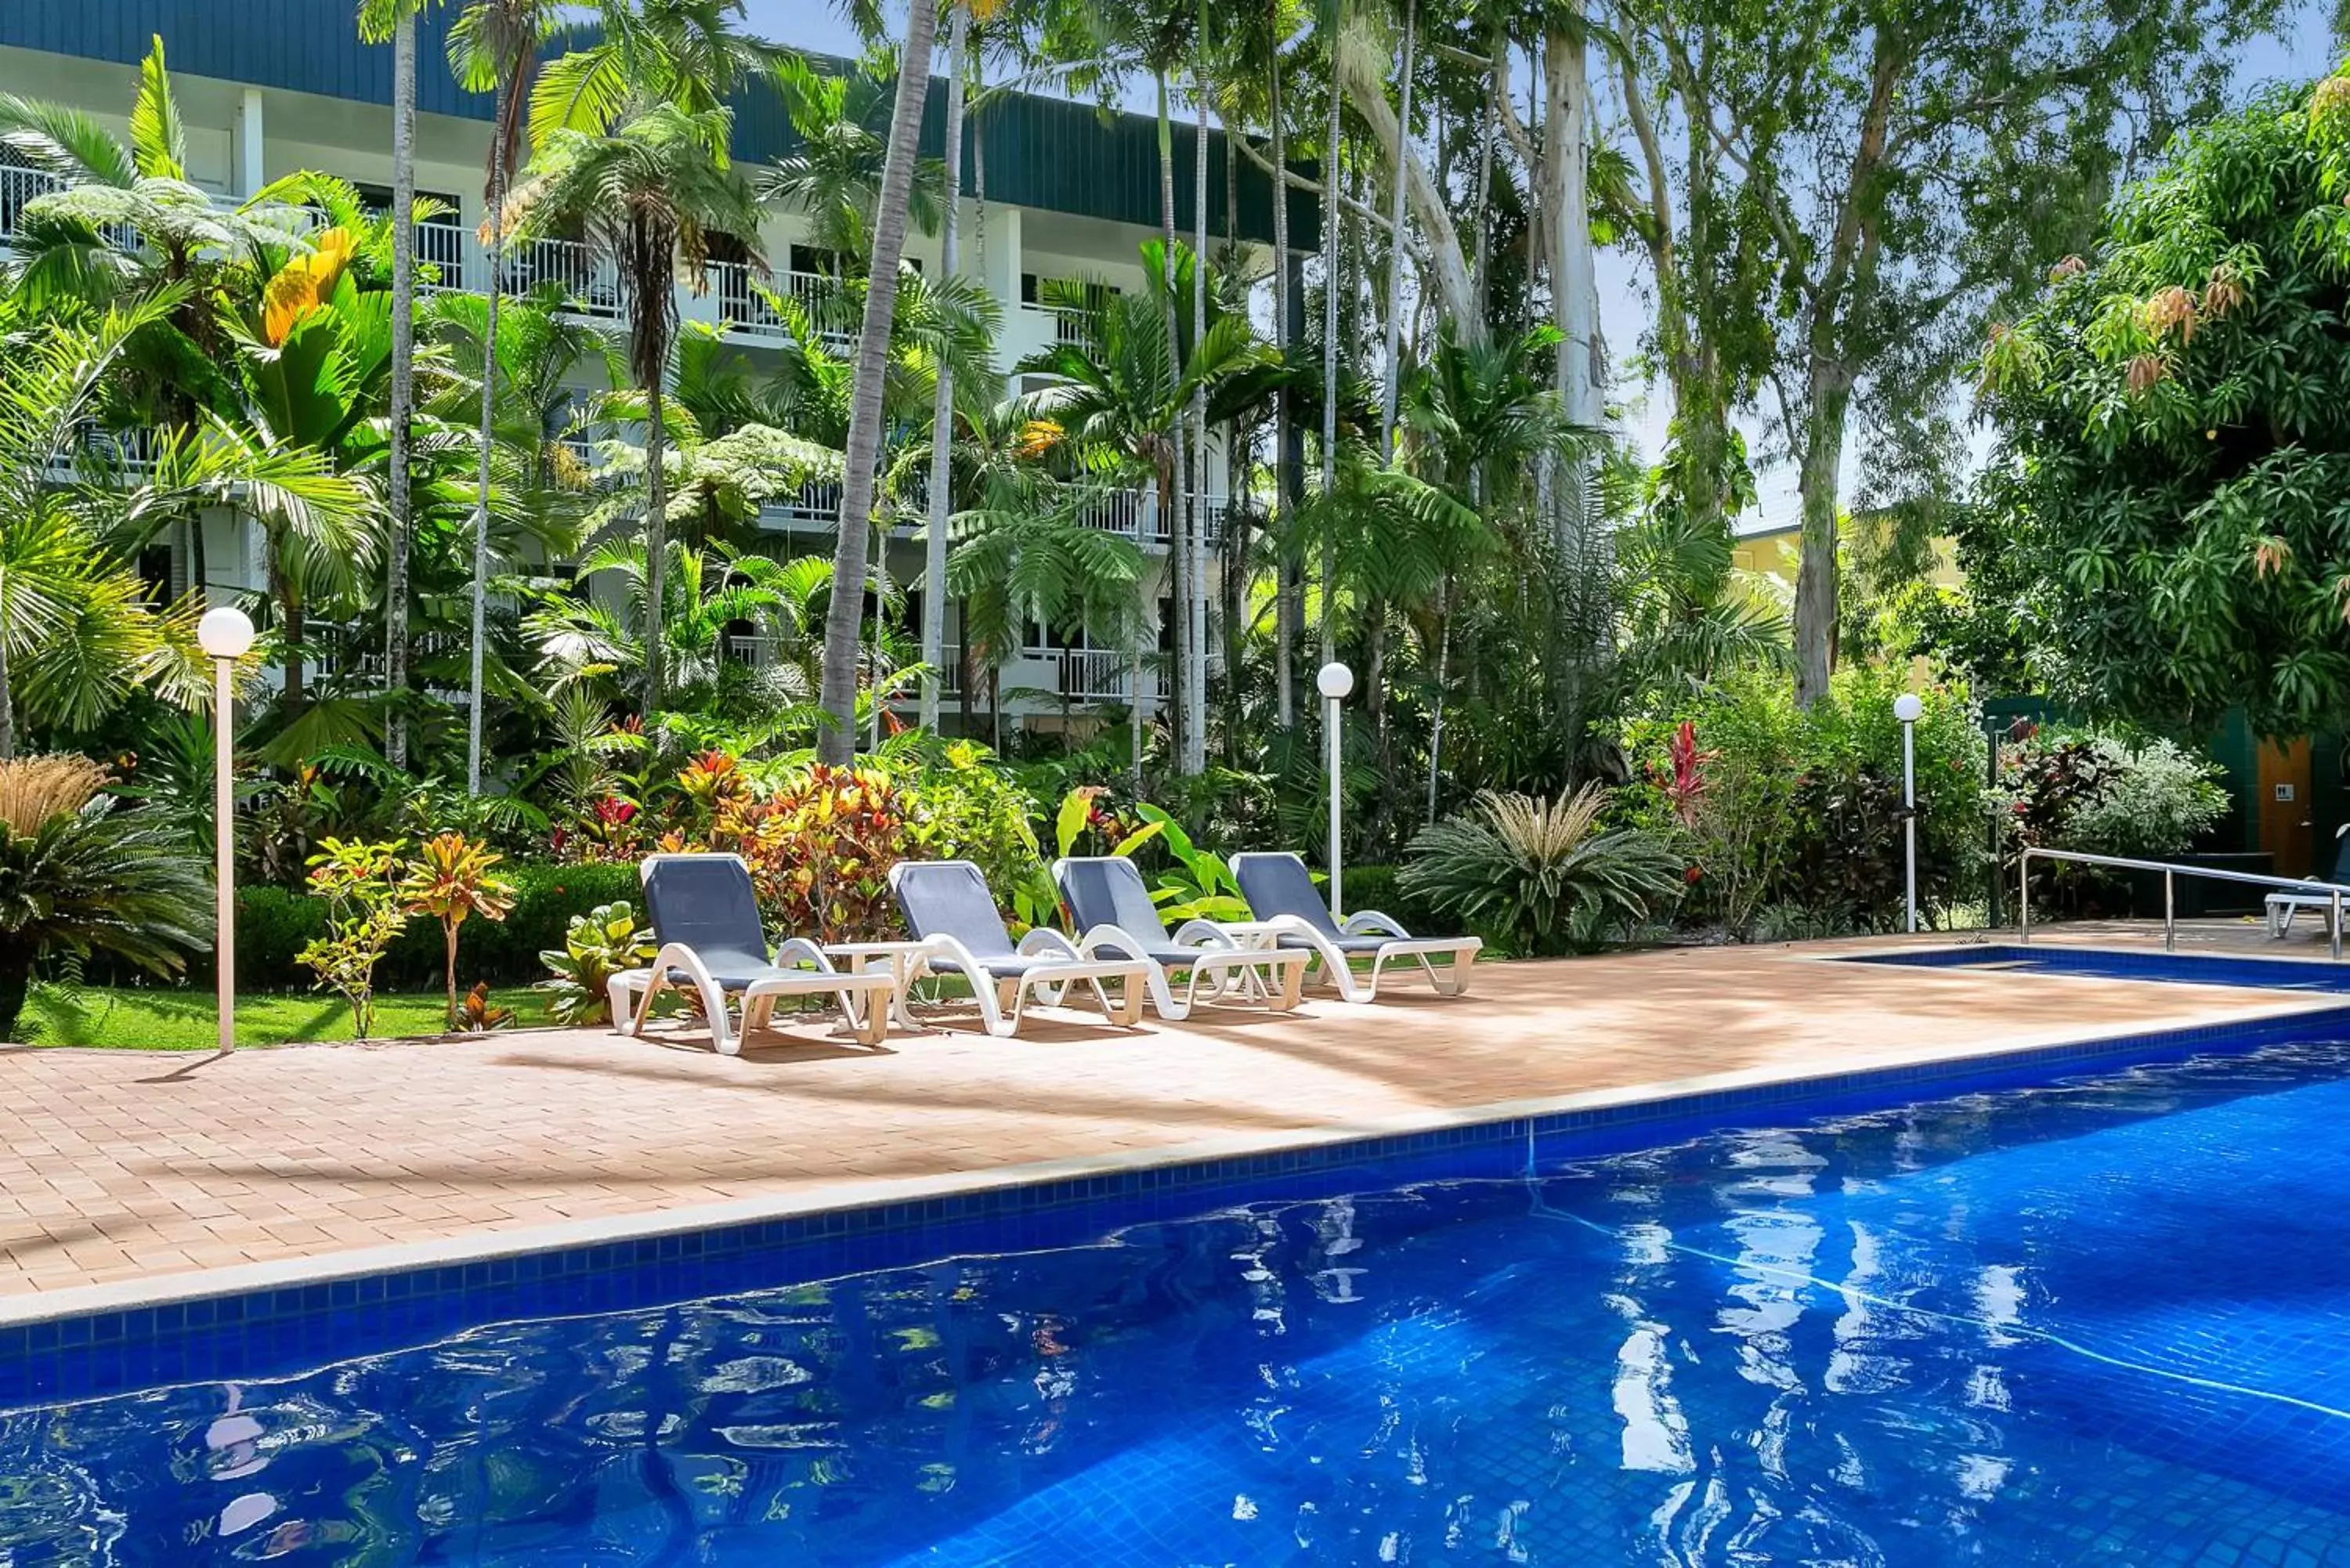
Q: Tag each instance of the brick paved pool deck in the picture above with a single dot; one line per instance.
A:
(127, 1174)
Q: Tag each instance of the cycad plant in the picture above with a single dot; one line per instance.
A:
(80, 877)
(1542, 874)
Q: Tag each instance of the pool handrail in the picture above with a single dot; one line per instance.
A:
(2333, 891)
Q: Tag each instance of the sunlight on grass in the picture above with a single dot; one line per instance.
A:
(154, 1018)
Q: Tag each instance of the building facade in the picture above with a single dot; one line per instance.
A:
(271, 87)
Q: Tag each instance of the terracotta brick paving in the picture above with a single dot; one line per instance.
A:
(118, 1165)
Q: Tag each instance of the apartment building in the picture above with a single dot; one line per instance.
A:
(268, 88)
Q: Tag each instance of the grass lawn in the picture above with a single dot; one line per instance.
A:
(158, 1019)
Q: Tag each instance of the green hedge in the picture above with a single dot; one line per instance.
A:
(273, 925)
(1376, 888)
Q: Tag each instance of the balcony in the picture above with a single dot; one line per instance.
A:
(19, 187)
(114, 455)
(742, 309)
(1134, 515)
(589, 281)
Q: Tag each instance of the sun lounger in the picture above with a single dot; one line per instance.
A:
(1108, 902)
(1280, 891)
(948, 908)
(2284, 905)
(705, 917)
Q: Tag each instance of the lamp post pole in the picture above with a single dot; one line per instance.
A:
(1906, 708)
(1334, 682)
(225, 635)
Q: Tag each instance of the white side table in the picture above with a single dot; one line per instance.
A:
(905, 961)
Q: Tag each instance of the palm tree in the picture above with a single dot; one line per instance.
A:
(396, 19)
(839, 742)
(934, 547)
(78, 630)
(834, 176)
(1124, 397)
(630, 53)
(653, 193)
(493, 48)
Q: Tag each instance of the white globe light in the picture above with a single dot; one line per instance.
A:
(1334, 681)
(1908, 707)
(226, 632)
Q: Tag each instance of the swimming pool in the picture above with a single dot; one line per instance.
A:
(2101, 1322)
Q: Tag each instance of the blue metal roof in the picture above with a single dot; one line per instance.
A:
(1043, 152)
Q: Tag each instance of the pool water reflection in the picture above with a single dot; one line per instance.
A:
(2107, 1322)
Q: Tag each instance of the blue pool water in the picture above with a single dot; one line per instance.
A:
(2106, 1322)
(2108, 963)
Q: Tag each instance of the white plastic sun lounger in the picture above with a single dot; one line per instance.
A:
(2284, 905)
(949, 909)
(1108, 902)
(1280, 891)
(705, 917)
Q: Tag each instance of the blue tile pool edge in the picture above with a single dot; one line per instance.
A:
(203, 1328)
(2074, 960)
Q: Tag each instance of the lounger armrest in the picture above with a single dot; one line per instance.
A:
(1371, 923)
(1045, 941)
(947, 948)
(1197, 933)
(795, 952)
(1098, 937)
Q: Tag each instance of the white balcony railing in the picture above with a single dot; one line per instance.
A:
(442, 247)
(18, 187)
(96, 452)
(590, 281)
(741, 307)
(1135, 515)
(816, 501)
(1104, 675)
(813, 291)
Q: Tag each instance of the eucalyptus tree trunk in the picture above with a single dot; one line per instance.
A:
(492, 251)
(1394, 388)
(1481, 278)
(1331, 250)
(1289, 608)
(1174, 513)
(1567, 215)
(1195, 559)
(934, 550)
(403, 378)
(843, 618)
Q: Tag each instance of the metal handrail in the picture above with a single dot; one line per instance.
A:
(2169, 920)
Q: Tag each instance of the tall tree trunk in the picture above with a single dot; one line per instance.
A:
(403, 378)
(492, 251)
(1174, 513)
(1393, 390)
(1195, 559)
(1481, 275)
(1288, 590)
(1566, 221)
(1362, 78)
(934, 549)
(844, 617)
(656, 542)
(1332, 271)
(1828, 399)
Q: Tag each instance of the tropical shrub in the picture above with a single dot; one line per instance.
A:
(477, 1015)
(80, 877)
(819, 845)
(960, 806)
(360, 883)
(2147, 800)
(1776, 806)
(1543, 875)
(599, 945)
(450, 879)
